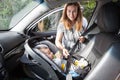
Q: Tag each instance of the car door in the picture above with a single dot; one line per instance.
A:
(11, 47)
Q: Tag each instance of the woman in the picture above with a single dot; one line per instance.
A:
(70, 28)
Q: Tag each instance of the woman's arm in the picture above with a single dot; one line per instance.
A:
(58, 43)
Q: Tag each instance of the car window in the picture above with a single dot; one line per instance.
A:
(50, 22)
(9, 9)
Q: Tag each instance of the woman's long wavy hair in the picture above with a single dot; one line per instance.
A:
(67, 22)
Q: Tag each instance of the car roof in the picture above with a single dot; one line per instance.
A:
(55, 3)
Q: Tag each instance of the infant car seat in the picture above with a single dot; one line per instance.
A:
(38, 66)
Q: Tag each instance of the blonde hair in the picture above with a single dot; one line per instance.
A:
(78, 20)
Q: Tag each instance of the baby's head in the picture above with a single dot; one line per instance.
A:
(45, 49)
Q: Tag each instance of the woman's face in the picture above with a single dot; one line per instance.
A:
(72, 12)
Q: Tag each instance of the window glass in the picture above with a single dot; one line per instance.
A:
(88, 8)
(50, 22)
(8, 8)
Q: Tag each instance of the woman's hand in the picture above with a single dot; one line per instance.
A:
(65, 53)
(82, 39)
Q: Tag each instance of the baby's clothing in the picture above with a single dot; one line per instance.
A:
(75, 68)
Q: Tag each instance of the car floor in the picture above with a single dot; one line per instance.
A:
(18, 74)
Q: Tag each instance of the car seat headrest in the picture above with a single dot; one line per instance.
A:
(47, 43)
(108, 19)
(41, 46)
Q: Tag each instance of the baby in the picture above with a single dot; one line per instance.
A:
(58, 59)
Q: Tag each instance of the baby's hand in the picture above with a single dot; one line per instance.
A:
(58, 55)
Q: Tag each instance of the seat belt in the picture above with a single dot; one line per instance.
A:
(72, 50)
(84, 33)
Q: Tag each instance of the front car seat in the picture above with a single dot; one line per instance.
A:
(106, 44)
